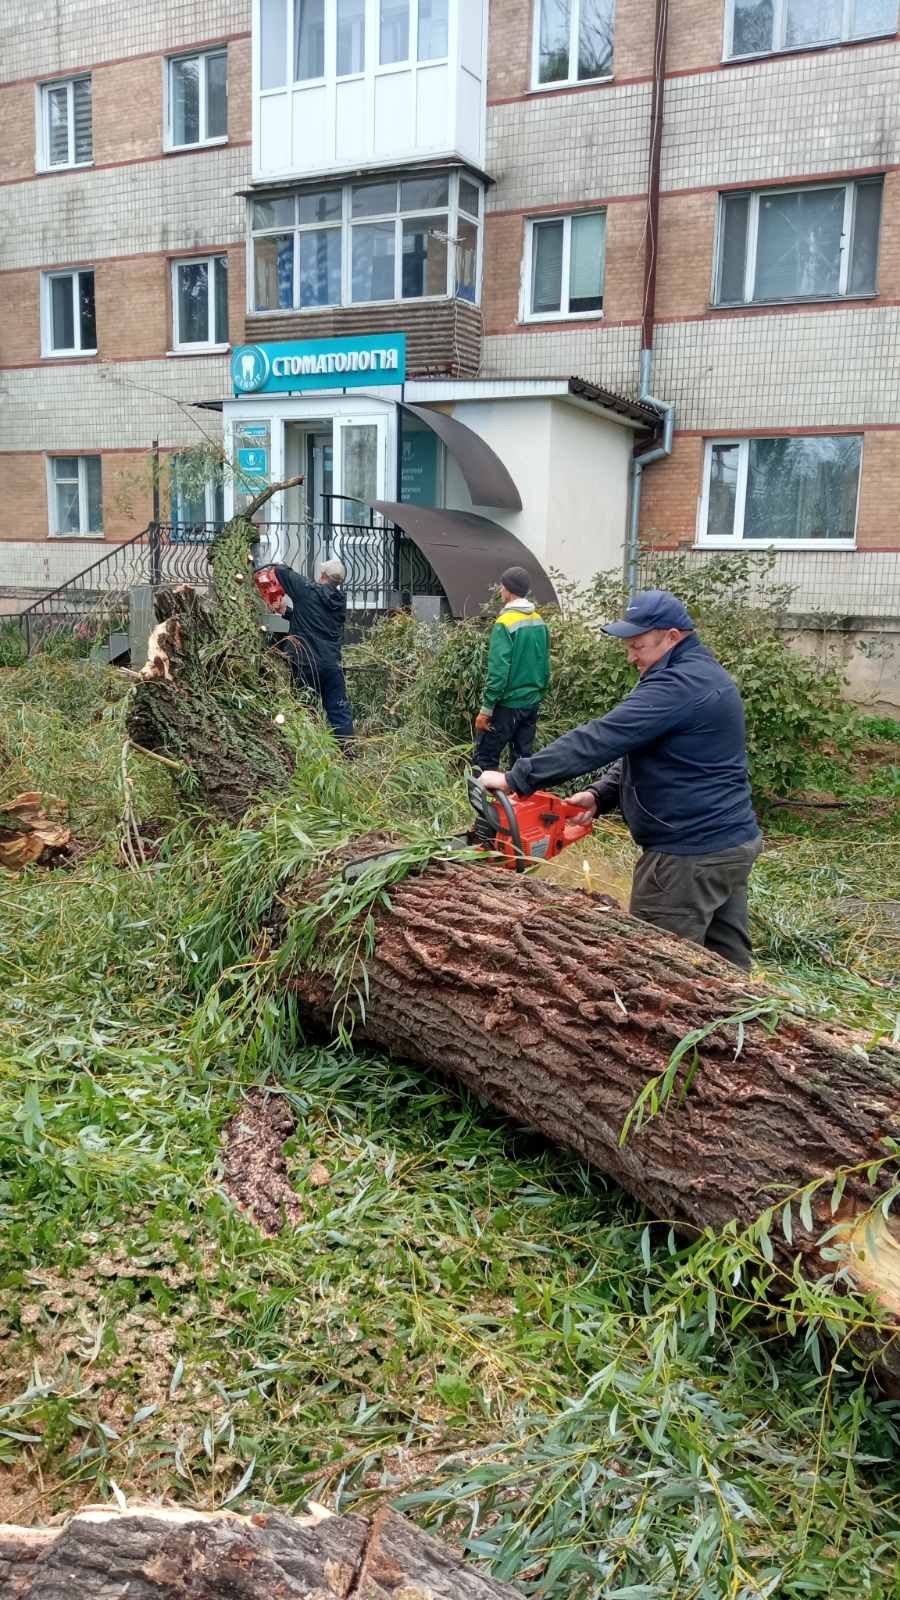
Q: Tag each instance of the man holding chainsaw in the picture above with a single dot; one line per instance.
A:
(517, 675)
(312, 645)
(676, 757)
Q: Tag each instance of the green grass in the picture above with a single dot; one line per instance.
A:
(465, 1320)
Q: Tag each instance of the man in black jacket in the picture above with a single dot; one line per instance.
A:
(678, 750)
(315, 638)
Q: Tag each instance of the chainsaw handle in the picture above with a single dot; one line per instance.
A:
(504, 804)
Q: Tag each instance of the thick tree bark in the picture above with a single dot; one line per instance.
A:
(558, 1009)
(151, 1553)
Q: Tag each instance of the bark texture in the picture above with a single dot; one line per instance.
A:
(152, 1553)
(189, 707)
(558, 1008)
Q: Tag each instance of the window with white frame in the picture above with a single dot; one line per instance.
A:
(65, 136)
(564, 264)
(401, 31)
(792, 491)
(68, 316)
(75, 493)
(392, 239)
(803, 243)
(759, 27)
(197, 99)
(200, 303)
(573, 40)
(197, 498)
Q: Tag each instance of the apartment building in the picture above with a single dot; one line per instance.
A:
(437, 258)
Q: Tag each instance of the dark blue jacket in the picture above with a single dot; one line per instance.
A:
(318, 615)
(680, 750)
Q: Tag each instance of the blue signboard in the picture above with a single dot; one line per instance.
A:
(254, 461)
(418, 468)
(298, 365)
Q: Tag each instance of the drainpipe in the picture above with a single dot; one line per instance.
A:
(648, 315)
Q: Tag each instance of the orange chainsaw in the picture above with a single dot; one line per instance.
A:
(518, 830)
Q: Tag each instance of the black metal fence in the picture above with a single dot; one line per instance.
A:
(385, 572)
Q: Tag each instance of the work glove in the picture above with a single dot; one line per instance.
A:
(483, 722)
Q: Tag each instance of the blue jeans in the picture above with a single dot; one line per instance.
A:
(327, 682)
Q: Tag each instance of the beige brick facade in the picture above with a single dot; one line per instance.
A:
(822, 113)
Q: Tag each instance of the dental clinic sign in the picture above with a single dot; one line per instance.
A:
(307, 364)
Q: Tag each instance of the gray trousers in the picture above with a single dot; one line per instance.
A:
(702, 898)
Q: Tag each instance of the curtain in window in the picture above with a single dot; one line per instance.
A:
(217, 96)
(186, 101)
(351, 36)
(586, 262)
(811, 21)
(62, 314)
(309, 45)
(547, 247)
(81, 91)
(273, 259)
(272, 47)
(752, 28)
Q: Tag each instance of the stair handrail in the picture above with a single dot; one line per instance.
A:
(108, 555)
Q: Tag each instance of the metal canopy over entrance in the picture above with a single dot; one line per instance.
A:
(466, 552)
(486, 478)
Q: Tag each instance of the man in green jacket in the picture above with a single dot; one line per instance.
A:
(517, 676)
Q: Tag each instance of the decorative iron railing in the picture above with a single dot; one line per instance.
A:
(385, 571)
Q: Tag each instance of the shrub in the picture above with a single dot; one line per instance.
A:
(434, 675)
(12, 643)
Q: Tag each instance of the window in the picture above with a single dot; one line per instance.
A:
(65, 127)
(573, 40)
(200, 302)
(432, 30)
(198, 99)
(76, 500)
(68, 318)
(195, 501)
(564, 266)
(309, 39)
(393, 31)
(798, 244)
(351, 37)
(781, 491)
(406, 239)
(758, 27)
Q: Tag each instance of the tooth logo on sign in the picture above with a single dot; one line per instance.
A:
(249, 368)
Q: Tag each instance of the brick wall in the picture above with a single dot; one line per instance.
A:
(60, 39)
(127, 498)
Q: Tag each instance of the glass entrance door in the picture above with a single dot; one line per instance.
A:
(360, 463)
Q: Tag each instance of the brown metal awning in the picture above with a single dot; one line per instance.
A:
(467, 552)
(487, 479)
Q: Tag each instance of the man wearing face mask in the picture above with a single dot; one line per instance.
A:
(676, 756)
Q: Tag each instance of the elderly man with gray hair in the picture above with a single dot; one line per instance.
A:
(316, 614)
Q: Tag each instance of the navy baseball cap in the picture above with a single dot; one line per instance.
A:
(655, 608)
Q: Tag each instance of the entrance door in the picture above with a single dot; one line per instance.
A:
(360, 469)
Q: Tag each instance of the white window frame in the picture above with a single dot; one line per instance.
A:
(569, 82)
(197, 346)
(346, 224)
(47, 349)
(778, 47)
(84, 530)
(168, 67)
(42, 120)
(736, 540)
(850, 188)
(526, 314)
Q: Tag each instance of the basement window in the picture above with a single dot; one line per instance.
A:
(75, 494)
(573, 41)
(763, 27)
(793, 492)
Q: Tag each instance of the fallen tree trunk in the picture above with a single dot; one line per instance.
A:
(152, 1553)
(559, 1009)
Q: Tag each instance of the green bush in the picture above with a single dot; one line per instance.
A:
(12, 643)
(434, 675)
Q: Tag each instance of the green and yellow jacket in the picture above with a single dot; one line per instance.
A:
(518, 659)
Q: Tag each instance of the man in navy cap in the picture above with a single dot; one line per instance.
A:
(675, 751)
